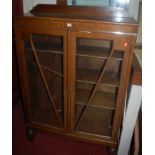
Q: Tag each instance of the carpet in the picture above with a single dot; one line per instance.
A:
(46, 143)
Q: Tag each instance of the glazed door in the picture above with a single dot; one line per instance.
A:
(99, 66)
(43, 56)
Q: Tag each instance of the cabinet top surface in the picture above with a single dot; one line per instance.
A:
(114, 15)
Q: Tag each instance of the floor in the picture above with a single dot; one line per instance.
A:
(47, 144)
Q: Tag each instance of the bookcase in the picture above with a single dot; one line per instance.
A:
(74, 65)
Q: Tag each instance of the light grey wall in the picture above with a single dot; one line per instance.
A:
(134, 8)
(137, 14)
(139, 37)
(29, 4)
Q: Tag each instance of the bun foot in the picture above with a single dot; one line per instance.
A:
(112, 151)
(30, 133)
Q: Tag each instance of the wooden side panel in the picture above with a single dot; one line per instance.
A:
(17, 9)
(125, 74)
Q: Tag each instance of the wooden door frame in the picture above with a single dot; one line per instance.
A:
(125, 71)
(23, 71)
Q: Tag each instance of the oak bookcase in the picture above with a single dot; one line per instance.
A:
(74, 65)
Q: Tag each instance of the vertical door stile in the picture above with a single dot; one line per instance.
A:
(69, 110)
(65, 68)
(73, 76)
(23, 75)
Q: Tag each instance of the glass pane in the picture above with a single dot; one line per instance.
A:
(96, 120)
(95, 99)
(46, 82)
(105, 3)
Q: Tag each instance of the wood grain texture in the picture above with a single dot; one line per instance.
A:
(83, 12)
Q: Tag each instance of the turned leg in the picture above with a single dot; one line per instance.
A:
(30, 133)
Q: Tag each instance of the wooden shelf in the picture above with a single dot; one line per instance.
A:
(48, 61)
(91, 76)
(100, 100)
(45, 47)
(98, 52)
(95, 121)
(41, 50)
(47, 116)
(45, 68)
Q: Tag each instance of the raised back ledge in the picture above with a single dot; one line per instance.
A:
(114, 15)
